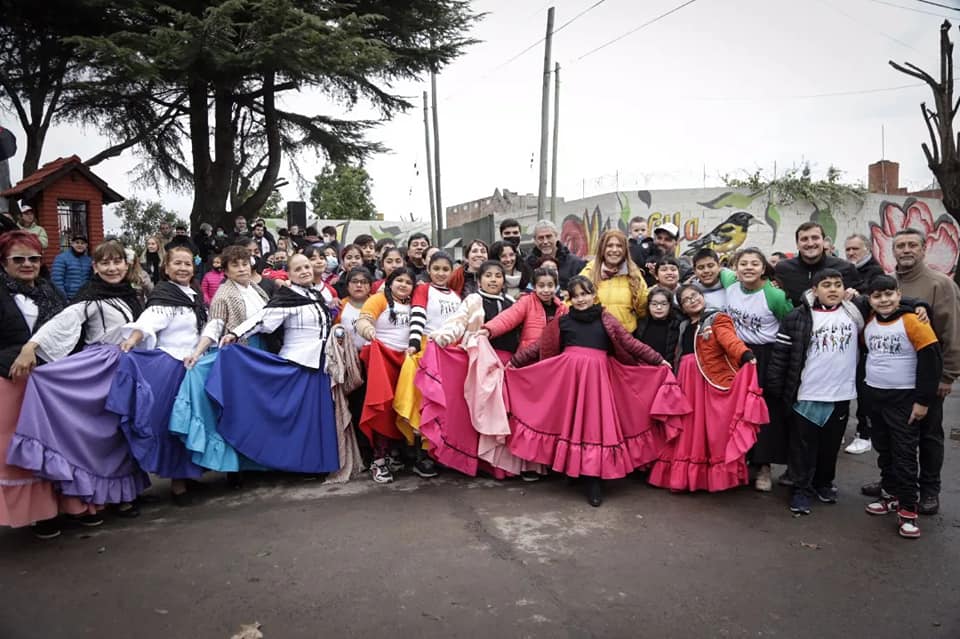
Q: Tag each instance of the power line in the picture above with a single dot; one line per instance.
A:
(900, 6)
(634, 30)
(832, 94)
(937, 4)
(860, 23)
(579, 15)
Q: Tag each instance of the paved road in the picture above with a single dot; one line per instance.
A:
(455, 557)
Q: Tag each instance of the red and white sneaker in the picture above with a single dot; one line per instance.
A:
(883, 506)
(908, 524)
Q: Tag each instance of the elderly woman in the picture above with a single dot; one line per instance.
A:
(621, 289)
(27, 302)
(64, 434)
(465, 280)
(149, 378)
(278, 409)
(194, 416)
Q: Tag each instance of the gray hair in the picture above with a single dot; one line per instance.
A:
(860, 236)
(545, 225)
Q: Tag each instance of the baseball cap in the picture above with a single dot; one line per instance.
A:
(670, 228)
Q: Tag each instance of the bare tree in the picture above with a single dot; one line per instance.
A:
(942, 152)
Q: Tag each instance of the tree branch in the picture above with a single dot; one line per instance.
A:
(919, 74)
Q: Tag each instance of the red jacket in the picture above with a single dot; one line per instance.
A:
(528, 312)
(626, 349)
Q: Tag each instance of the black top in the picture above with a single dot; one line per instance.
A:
(796, 276)
(493, 306)
(686, 340)
(550, 309)
(585, 329)
(656, 335)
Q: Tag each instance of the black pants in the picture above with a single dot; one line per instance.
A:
(863, 414)
(931, 450)
(896, 443)
(772, 441)
(814, 449)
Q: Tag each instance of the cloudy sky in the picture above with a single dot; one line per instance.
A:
(717, 87)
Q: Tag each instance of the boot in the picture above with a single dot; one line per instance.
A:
(594, 491)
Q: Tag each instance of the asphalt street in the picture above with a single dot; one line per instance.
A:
(459, 557)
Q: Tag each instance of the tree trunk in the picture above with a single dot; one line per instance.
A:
(268, 179)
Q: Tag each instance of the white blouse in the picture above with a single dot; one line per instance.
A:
(305, 329)
(100, 322)
(28, 308)
(172, 329)
(252, 304)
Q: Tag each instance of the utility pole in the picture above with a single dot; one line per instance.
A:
(436, 152)
(556, 134)
(545, 117)
(434, 230)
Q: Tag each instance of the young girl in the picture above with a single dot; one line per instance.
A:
(350, 258)
(392, 260)
(660, 329)
(531, 312)
(516, 273)
(385, 322)
(464, 416)
(466, 279)
(358, 282)
(582, 412)
(728, 408)
(212, 279)
(757, 307)
(432, 304)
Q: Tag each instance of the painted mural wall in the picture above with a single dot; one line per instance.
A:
(725, 221)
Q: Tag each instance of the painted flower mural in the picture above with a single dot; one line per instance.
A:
(943, 237)
(580, 234)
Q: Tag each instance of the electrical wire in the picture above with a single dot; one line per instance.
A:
(813, 96)
(860, 23)
(900, 6)
(634, 30)
(937, 4)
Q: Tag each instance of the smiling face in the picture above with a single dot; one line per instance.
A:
(707, 270)
(491, 281)
(179, 267)
(352, 258)
(476, 255)
(318, 262)
(908, 250)
(300, 270)
(666, 242)
(810, 245)
(750, 269)
(668, 275)
(402, 287)
(581, 299)
(111, 269)
(885, 302)
(508, 258)
(23, 263)
(546, 241)
(692, 302)
(545, 288)
(659, 306)
(152, 245)
(614, 252)
(417, 248)
(440, 271)
(829, 291)
(391, 262)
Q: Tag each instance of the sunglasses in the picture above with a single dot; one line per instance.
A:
(20, 259)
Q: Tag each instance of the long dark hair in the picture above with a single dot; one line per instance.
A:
(403, 270)
(520, 266)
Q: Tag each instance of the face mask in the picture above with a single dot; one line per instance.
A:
(220, 233)
(253, 261)
(332, 263)
(218, 268)
(280, 266)
(514, 241)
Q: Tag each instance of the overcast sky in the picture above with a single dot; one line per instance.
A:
(716, 87)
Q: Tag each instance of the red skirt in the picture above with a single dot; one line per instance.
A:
(383, 368)
(710, 452)
(583, 413)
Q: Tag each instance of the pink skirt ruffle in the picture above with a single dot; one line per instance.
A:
(710, 452)
(582, 413)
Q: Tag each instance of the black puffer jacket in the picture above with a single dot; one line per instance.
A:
(795, 276)
(868, 271)
(568, 263)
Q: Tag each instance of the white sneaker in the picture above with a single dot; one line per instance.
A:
(859, 446)
(763, 482)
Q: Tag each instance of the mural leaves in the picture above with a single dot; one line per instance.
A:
(825, 219)
(772, 217)
(645, 197)
(730, 199)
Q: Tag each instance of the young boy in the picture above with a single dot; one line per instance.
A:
(712, 278)
(904, 363)
(368, 249)
(814, 370)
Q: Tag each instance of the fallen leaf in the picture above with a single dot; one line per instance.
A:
(249, 631)
(810, 546)
(101, 550)
(161, 611)
(265, 553)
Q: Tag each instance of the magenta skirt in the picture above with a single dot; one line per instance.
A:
(583, 413)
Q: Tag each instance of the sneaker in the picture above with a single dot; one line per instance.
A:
(395, 462)
(425, 468)
(929, 505)
(89, 521)
(908, 524)
(883, 506)
(858, 446)
(873, 489)
(800, 503)
(827, 494)
(763, 482)
(784, 479)
(46, 529)
(380, 471)
(530, 475)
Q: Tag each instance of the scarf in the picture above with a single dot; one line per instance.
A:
(512, 282)
(97, 290)
(862, 261)
(48, 299)
(606, 272)
(151, 264)
(591, 314)
(170, 295)
(227, 304)
(493, 305)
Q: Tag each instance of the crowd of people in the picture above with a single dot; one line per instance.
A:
(242, 352)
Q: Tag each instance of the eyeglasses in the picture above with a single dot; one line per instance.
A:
(20, 259)
(659, 304)
(689, 299)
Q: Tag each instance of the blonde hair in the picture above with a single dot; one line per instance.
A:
(160, 251)
(638, 286)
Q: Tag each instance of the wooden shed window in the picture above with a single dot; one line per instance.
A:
(71, 219)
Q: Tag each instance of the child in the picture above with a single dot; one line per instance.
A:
(712, 278)
(530, 312)
(212, 279)
(904, 364)
(710, 451)
(392, 260)
(814, 369)
(350, 258)
(668, 273)
(580, 411)
(661, 327)
(385, 322)
(757, 307)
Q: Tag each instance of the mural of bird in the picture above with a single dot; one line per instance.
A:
(727, 236)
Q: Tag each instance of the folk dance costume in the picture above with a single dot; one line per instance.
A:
(24, 498)
(65, 434)
(431, 305)
(194, 417)
(147, 381)
(347, 320)
(599, 416)
(530, 315)
(464, 414)
(278, 409)
(346, 377)
(728, 409)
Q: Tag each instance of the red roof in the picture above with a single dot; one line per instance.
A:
(53, 171)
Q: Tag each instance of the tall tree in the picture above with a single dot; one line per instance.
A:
(342, 192)
(235, 60)
(942, 153)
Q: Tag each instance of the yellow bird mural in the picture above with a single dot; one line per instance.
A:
(727, 236)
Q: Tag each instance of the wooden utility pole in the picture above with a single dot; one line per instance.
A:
(434, 230)
(556, 133)
(436, 153)
(545, 117)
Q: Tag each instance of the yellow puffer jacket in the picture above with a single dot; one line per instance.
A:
(618, 299)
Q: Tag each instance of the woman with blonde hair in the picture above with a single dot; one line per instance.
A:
(621, 289)
(153, 258)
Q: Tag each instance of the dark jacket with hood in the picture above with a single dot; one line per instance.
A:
(567, 263)
(796, 276)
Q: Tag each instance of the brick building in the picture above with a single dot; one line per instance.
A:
(504, 203)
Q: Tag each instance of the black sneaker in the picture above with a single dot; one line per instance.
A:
(46, 529)
(425, 468)
(929, 505)
(89, 521)
(872, 489)
(800, 503)
(128, 510)
(827, 494)
(530, 475)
